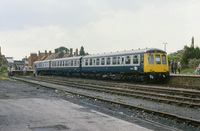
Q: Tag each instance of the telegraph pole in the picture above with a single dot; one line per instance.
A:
(165, 46)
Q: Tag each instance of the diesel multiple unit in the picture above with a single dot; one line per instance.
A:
(143, 65)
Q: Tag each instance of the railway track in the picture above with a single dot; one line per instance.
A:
(142, 92)
(90, 86)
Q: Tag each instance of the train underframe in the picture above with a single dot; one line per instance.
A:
(137, 77)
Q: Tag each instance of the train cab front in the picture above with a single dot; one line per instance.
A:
(156, 64)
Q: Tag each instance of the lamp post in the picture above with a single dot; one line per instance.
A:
(165, 46)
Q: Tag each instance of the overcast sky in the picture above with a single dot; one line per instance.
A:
(27, 26)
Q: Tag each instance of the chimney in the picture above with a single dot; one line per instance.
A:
(45, 52)
(192, 43)
(71, 52)
(38, 55)
(76, 52)
(56, 50)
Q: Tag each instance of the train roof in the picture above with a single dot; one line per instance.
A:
(139, 51)
(131, 52)
(67, 58)
(41, 61)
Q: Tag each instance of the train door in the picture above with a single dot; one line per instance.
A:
(142, 62)
(80, 64)
(123, 60)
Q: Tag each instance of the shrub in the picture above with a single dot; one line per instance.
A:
(193, 63)
(187, 71)
(3, 67)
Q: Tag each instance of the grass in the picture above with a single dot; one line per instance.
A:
(187, 71)
(4, 78)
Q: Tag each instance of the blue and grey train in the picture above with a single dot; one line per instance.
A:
(141, 64)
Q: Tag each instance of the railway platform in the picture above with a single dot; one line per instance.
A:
(25, 107)
(192, 81)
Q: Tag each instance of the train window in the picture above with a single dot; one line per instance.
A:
(151, 59)
(102, 61)
(122, 62)
(72, 63)
(114, 60)
(86, 62)
(142, 59)
(128, 60)
(94, 62)
(158, 61)
(135, 59)
(75, 63)
(97, 62)
(118, 60)
(108, 61)
(164, 60)
(90, 61)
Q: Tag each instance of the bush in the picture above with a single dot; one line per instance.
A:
(187, 71)
(3, 67)
(193, 63)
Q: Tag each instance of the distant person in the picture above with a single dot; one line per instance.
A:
(196, 71)
(175, 66)
(24, 71)
(10, 72)
(179, 67)
(34, 72)
(172, 66)
(199, 68)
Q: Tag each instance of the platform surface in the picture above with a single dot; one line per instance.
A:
(26, 107)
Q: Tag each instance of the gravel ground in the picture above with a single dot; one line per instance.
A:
(183, 111)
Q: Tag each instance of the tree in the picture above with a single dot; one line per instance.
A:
(82, 52)
(63, 49)
(174, 57)
(189, 53)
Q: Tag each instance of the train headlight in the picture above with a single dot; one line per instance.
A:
(151, 69)
(163, 76)
(151, 77)
(164, 69)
